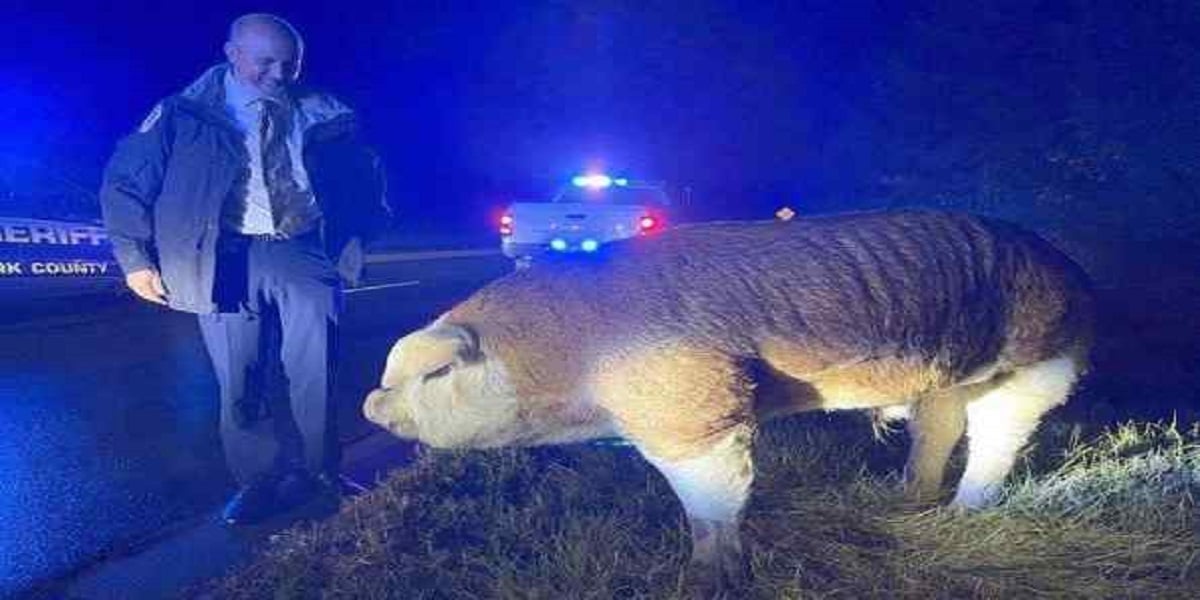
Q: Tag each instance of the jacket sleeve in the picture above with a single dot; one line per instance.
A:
(132, 181)
(382, 212)
(361, 187)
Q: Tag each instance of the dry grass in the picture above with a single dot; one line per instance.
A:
(1111, 517)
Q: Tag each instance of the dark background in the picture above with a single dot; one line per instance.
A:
(1079, 119)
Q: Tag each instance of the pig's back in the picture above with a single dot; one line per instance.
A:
(924, 283)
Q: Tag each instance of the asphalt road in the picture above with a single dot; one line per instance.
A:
(108, 429)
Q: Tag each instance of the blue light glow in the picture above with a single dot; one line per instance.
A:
(594, 181)
(589, 245)
(558, 244)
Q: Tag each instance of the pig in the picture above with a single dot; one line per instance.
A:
(685, 342)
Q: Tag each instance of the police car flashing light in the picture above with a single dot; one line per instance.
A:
(598, 181)
(590, 211)
(562, 245)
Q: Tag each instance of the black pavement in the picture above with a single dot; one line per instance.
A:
(108, 443)
(204, 548)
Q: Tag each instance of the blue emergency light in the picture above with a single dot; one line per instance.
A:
(592, 181)
(598, 181)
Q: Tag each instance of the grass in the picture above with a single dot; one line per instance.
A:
(1103, 515)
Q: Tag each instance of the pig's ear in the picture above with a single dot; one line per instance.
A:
(459, 340)
(436, 348)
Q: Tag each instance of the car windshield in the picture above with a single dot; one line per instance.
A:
(614, 195)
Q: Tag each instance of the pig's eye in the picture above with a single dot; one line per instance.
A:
(439, 372)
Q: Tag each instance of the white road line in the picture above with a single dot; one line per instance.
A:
(375, 258)
(378, 258)
(384, 286)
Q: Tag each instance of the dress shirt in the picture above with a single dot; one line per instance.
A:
(252, 212)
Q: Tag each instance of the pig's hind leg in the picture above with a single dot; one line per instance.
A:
(1000, 422)
(935, 425)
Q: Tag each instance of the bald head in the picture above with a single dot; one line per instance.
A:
(264, 52)
(263, 23)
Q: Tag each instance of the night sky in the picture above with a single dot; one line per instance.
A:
(467, 96)
(1035, 110)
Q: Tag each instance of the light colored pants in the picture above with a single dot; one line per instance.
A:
(274, 358)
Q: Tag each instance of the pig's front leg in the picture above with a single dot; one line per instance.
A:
(687, 411)
(713, 488)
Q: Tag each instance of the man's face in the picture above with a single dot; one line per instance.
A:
(265, 59)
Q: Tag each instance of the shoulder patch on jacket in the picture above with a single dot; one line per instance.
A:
(151, 119)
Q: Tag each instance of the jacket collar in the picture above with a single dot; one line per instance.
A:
(206, 96)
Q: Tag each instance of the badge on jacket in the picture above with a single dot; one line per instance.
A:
(151, 119)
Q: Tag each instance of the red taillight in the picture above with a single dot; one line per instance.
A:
(506, 225)
(647, 223)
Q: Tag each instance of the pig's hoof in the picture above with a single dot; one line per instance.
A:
(921, 496)
(703, 586)
(726, 581)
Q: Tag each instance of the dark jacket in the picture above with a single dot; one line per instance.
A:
(166, 185)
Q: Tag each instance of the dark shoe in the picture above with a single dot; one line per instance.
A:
(251, 504)
(296, 488)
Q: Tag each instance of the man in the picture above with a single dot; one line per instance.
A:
(232, 201)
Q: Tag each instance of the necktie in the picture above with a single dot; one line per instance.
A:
(277, 161)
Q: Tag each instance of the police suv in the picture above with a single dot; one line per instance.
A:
(48, 247)
(581, 217)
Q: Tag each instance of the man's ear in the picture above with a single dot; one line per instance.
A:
(231, 52)
(299, 64)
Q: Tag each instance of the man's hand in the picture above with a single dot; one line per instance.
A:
(350, 262)
(147, 284)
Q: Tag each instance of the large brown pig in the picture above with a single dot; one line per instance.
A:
(685, 342)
